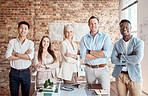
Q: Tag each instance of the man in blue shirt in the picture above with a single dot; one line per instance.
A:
(127, 55)
(95, 49)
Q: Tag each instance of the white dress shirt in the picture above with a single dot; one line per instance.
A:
(46, 61)
(15, 45)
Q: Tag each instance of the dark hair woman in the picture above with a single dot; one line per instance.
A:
(45, 62)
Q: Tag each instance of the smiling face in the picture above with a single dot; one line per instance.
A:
(23, 30)
(45, 42)
(93, 25)
(68, 33)
(125, 29)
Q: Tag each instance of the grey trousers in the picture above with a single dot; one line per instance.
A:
(98, 74)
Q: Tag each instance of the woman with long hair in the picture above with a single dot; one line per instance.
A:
(45, 62)
(70, 59)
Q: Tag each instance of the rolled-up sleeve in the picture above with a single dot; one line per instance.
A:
(107, 47)
(82, 50)
(31, 46)
(9, 49)
(35, 60)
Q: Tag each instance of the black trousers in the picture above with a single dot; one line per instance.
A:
(17, 78)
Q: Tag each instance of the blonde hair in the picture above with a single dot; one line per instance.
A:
(65, 27)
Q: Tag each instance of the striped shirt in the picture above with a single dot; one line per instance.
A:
(15, 45)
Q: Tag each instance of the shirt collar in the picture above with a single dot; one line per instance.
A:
(19, 40)
(129, 40)
(99, 33)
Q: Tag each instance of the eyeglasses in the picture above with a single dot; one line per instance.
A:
(121, 28)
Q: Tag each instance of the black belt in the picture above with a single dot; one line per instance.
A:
(124, 72)
(19, 70)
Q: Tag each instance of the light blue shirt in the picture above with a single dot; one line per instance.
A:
(131, 61)
(97, 43)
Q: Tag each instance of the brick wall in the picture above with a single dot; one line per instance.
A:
(39, 13)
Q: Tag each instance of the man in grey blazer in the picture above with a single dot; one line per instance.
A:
(127, 55)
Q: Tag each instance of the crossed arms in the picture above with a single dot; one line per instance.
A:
(102, 51)
(28, 55)
(69, 57)
(133, 58)
(20, 56)
(94, 55)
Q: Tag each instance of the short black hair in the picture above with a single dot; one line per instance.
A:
(23, 22)
(124, 20)
(92, 17)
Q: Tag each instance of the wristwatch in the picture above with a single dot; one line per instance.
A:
(88, 51)
(16, 54)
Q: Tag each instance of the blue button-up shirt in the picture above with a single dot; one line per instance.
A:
(97, 43)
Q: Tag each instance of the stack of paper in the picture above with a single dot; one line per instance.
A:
(100, 92)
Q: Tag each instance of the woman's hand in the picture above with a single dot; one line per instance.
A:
(71, 55)
(40, 66)
(68, 54)
(55, 61)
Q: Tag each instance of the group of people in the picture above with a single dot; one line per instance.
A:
(95, 50)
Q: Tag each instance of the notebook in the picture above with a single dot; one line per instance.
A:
(94, 86)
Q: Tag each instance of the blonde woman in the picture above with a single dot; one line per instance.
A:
(45, 62)
(70, 60)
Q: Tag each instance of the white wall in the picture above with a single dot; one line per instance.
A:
(143, 19)
(56, 30)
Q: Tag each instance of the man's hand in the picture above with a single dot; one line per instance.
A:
(82, 62)
(28, 51)
(134, 53)
(88, 52)
(97, 54)
(119, 55)
(13, 53)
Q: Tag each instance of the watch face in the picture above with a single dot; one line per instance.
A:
(16, 54)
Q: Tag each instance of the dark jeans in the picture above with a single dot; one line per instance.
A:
(17, 78)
